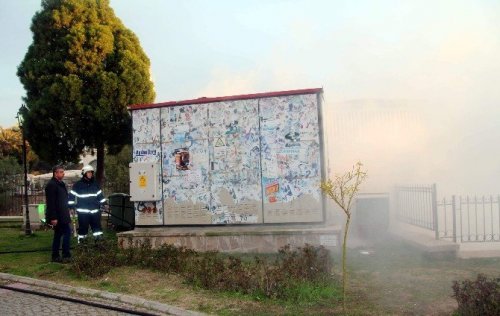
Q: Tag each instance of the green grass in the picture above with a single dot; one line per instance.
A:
(30, 263)
(35, 261)
(307, 293)
(15, 239)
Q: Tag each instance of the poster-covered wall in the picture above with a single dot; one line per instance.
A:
(238, 161)
(291, 159)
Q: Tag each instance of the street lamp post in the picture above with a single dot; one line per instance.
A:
(25, 163)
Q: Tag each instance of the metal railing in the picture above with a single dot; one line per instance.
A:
(470, 219)
(11, 200)
(11, 195)
(459, 219)
(416, 205)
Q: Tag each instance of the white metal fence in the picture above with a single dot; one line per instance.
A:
(460, 219)
(470, 219)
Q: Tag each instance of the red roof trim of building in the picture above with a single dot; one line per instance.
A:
(227, 98)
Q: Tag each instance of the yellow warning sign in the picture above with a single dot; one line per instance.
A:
(219, 142)
(143, 181)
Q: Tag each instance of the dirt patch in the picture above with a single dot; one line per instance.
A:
(399, 279)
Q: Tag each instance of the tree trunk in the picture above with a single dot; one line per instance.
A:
(99, 173)
(344, 265)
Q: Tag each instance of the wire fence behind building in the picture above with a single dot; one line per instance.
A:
(12, 193)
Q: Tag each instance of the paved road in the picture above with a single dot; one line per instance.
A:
(55, 302)
(18, 303)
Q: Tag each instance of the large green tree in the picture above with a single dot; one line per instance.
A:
(81, 72)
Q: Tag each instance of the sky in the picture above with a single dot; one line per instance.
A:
(438, 61)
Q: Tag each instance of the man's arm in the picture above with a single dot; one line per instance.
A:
(100, 197)
(72, 199)
(51, 199)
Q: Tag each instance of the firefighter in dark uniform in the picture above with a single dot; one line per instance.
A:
(86, 198)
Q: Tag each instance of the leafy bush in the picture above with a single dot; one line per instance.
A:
(293, 268)
(10, 173)
(206, 270)
(479, 297)
(242, 276)
(306, 264)
(95, 257)
(141, 254)
(289, 276)
(271, 279)
(169, 258)
(261, 277)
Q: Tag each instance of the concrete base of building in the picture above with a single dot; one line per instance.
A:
(241, 239)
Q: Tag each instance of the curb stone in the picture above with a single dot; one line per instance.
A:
(123, 298)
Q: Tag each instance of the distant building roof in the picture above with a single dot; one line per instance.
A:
(70, 176)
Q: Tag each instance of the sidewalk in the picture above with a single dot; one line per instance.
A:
(90, 295)
(424, 240)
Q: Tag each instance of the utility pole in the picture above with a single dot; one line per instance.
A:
(19, 117)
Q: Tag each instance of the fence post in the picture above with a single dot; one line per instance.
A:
(434, 211)
(454, 213)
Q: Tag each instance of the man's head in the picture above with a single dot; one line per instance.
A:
(88, 171)
(58, 172)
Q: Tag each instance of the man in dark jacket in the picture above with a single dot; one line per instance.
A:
(57, 214)
(86, 197)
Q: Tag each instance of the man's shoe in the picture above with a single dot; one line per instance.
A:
(57, 260)
(66, 260)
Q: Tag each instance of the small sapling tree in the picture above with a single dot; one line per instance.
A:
(342, 190)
